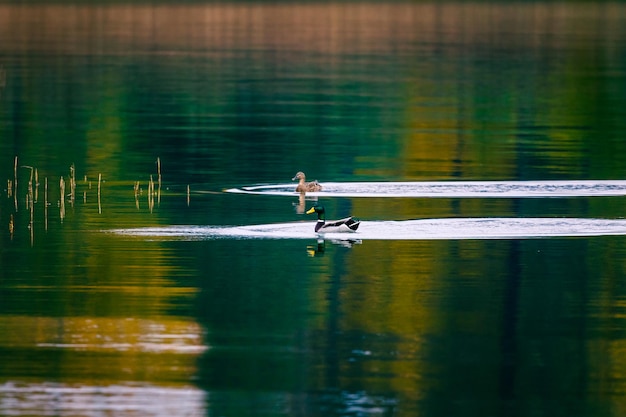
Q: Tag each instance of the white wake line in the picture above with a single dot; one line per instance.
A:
(424, 229)
(458, 189)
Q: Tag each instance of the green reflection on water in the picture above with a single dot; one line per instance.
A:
(229, 95)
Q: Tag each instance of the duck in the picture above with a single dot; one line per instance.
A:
(304, 186)
(349, 224)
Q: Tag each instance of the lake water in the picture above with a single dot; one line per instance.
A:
(481, 145)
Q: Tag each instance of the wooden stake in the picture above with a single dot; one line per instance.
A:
(15, 183)
(99, 182)
(151, 194)
(72, 184)
(62, 202)
(45, 203)
(36, 185)
(136, 189)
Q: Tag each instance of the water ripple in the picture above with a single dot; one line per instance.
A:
(451, 189)
(424, 229)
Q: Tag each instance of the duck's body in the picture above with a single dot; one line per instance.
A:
(304, 186)
(349, 224)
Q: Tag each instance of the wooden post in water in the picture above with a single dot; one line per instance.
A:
(151, 194)
(136, 189)
(30, 204)
(15, 184)
(72, 184)
(31, 207)
(62, 201)
(30, 198)
(187, 195)
(45, 204)
(36, 185)
(99, 182)
(29, 191)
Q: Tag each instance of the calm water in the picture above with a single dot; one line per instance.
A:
(95, 323)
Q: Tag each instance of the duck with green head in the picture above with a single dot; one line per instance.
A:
(349, 224)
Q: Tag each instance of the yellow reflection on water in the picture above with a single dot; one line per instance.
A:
(159, 350)
(97, 334)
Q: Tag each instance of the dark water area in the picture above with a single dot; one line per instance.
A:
(155, 110)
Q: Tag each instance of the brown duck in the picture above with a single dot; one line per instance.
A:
(304, 186)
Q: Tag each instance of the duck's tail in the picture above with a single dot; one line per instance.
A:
(353, 223)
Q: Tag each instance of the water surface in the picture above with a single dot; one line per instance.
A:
(156, 111)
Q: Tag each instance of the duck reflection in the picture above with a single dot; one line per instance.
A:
(346, 243)
(320, 247)
(317, 249)
(300, 206)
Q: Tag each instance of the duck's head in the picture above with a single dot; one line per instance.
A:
(299, 176)
(316, 209)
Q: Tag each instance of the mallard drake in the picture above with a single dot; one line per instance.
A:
(304, 186)
(349, 224)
